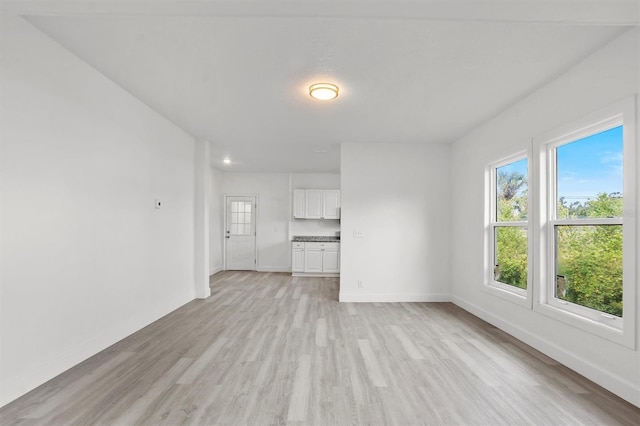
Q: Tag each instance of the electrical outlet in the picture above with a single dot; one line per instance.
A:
(358, 234)
(360, 284)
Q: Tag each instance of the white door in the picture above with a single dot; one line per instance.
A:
(241, 233)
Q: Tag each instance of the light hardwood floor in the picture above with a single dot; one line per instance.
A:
(268, 348)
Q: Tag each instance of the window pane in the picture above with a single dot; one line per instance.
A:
(234, 206)
(511, 192)
(589, 176)
(589, 266)
(511, 256)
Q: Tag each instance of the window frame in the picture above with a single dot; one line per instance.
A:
(620, 330)
(522, 297)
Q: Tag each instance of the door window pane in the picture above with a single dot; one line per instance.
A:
(589, 266)
(241, 218)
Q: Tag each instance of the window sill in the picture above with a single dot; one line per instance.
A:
(624, 337)
(515, 295)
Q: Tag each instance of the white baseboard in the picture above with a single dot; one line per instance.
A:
(215, 269)
(56, 364)
(319, 274)
(620, 386)
(393, 297)
(274, 269)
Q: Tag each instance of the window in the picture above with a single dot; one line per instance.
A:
(508, 228)
(586, 223)
(241, 218)
(587, 242)
(561, 225)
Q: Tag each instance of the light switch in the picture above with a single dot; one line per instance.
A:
(158, 203)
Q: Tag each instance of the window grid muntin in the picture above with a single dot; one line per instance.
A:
(241, 218)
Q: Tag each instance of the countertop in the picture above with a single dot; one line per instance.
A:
(306, 238)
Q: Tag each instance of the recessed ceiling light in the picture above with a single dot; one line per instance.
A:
(227, 161)
(323, 91)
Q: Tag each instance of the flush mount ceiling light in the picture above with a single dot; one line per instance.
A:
(227, 161)
(323, 91)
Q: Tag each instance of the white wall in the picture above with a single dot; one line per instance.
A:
(314, 181)
(216, 221)
(202, 180)
(607, 76)
(399, 197)
(86, 258)
(272, 226)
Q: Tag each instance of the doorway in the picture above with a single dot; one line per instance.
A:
(240, 233)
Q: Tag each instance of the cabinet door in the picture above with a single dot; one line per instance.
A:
(331, 260)
(331, 204)
(312, 260)
(297, 260)
(299, 203)
(313, 204)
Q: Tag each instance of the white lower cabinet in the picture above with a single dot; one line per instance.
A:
(297, 257)
(312, 259)
(331, 260)
(315, 258)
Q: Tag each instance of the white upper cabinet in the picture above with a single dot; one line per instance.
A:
(331, 204)
(299, 202)
(316, 204)
(313, 208)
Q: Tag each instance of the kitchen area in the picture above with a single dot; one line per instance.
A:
(316, 253)
(297, 221)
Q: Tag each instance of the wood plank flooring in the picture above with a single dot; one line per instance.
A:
(269, 348)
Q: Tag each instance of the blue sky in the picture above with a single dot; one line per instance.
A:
(586, 167)
(519, 166)
(590, 166)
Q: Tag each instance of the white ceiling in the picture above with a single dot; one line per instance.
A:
(238, 75)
